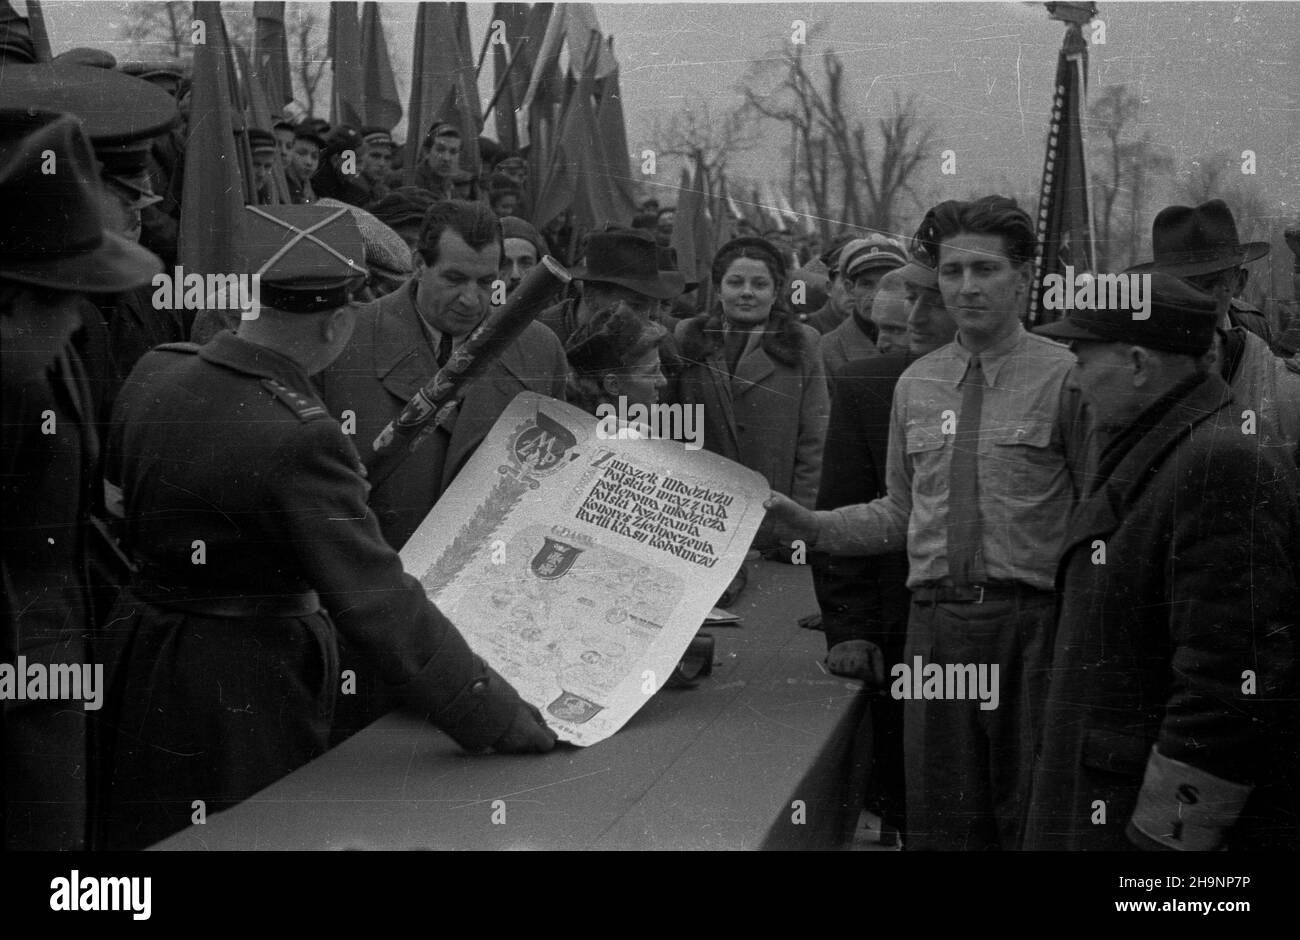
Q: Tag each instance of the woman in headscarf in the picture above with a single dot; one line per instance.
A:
(758, 374)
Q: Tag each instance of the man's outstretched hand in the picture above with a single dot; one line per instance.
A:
(791, 520)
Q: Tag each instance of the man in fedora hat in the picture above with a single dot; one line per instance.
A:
(55, 245)
(1173, 683)
(228, 670)
(621, 266)
(1199, 245)
(400, 342)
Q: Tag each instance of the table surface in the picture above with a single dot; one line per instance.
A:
(757, 756)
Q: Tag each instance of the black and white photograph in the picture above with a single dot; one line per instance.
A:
(865, 429)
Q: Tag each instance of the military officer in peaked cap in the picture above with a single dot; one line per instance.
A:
(120, 114)
(245, 507)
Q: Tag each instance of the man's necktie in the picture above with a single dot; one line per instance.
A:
(965, 528)
(444, 349)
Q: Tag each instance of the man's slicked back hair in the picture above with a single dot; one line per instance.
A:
(988, 215)
(475, 222)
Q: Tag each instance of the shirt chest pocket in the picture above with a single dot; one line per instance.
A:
(928, 456)
(1023, 461)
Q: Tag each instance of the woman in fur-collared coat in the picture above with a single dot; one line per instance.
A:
(757, 372)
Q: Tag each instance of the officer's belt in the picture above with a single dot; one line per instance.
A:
(937, 592)
(229, 606)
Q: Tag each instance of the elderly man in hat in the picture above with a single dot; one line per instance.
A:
(228, 668)
(400, 342)
(1199, 244)
(1170, 719)
(621, 266)
(55, 244)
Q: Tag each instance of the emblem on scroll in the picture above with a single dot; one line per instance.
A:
(573, 708)
(554, 559)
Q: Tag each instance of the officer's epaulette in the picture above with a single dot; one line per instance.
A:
(190, 348)
(299, 404)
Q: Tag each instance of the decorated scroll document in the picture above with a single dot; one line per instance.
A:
(580, 564)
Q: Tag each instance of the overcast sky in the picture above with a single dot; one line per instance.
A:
(1216, 78)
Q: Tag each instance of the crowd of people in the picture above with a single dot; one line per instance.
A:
(1105, 509)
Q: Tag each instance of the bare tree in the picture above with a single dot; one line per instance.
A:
(1121, 176)
(166, 29)
(307, 55)
(694, 134)
(871, 177)
(165, 26)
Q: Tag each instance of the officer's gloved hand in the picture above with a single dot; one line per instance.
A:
(858, 659)
(527, 734)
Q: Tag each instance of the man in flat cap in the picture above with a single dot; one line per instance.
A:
(839, 301)
(55, 246)
(400, 342)
(403, 211)
(245, 505)
(1200, 245)
(1170, 719)
(438, 167)
(303, 163)
(864, 272)
(263, 145)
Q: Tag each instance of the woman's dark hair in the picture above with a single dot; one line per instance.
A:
(748, 246)
(988, 215)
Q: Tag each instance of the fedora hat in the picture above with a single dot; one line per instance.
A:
(1187, 241)
(52, 232)
(114, 108)
(628, 259)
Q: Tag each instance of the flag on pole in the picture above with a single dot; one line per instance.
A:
(568, 177)
(257, 113)
(380, 104)
(691, 226)
(613, 154)
(1064, 226)
(512, 64)
(444, 81)
(345, 55)
(271, 55)
(39, 33)
(213, 199)
(570, 23)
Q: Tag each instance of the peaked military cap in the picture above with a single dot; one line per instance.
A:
(113, 108)
(310, 258)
